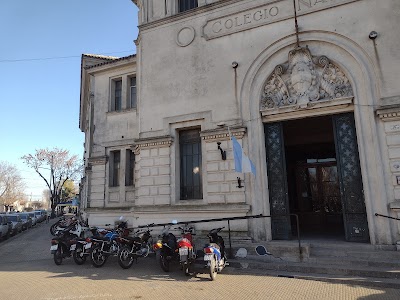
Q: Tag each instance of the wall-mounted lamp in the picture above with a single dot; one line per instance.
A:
(223, 153)
(239, 183)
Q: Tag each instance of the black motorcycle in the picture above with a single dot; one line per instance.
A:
(168, 249)
(61, 245)
(133, 247)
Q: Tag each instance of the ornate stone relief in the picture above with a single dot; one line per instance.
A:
(304, 81)
(156, 142)
(222, 134)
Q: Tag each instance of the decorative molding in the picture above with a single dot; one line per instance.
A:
(270, 12)
(97, 160)
(222, 134)
(305, 82)
(319, 108)
(154, 142)
(185, 36)
(390, 113)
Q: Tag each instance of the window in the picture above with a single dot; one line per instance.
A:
(117, 95)
(132, 92)
(130, 167)
(185, 5)
(190, 159)
(115, 158)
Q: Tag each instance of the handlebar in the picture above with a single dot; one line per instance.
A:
(216, 230)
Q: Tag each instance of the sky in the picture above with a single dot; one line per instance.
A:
(41, 43)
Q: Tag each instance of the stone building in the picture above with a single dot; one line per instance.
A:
(316, 110)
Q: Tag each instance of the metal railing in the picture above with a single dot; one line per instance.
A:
(229, 226)
(389, 217)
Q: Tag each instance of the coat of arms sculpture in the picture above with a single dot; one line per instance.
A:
(304, 80)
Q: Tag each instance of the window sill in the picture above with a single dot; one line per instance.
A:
(122, 111)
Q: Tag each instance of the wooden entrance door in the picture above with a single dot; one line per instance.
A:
(318, 202)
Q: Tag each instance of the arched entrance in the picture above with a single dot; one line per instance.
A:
(313, 163)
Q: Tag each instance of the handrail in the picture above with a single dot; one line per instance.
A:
(229, 227)
(389, 217)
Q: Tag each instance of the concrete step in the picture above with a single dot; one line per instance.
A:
(320, 268)
(350, 261)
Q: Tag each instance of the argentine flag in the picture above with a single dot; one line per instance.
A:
(242, 163)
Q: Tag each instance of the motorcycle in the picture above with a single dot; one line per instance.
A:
(133, 247)
(103, 247)
(61, 245)
(67, 243)
(61, 225)
(214, 253)
(81, 247)
(167, 248)
(187, 253)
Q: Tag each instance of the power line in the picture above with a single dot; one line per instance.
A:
(52, 58)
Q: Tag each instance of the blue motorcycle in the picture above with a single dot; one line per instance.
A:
(103, 247)
(214, 253)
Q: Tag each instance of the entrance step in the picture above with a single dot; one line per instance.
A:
(312, 268)
(333, 261)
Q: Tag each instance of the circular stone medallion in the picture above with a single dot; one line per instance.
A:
(185, 36)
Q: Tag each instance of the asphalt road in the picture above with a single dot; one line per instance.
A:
(27, 271)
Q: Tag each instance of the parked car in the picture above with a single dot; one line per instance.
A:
(33, 217)
(39, 216)
(26, 220)
(4, 228)
(10, 225)
(16, 222)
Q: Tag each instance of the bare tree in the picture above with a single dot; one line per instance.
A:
(11, 184)
(60, 164)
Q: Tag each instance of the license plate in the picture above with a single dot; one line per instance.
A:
(208, 257)
(183, 251)
(73, 247)
(53, 248)
(88, 245)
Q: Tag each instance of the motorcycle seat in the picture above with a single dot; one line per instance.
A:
(100, 238)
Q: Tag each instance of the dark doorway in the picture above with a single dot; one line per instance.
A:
(312, 177)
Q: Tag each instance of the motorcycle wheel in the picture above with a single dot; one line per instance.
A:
(125, 258)
(98, 257)
(58, 255)
(79, 255)
(147, 247)
(213, 268)
(164, 262)
(185, 267)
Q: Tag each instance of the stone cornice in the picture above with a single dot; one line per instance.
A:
(153, 142)
(222, 134)
(244, 208)
(186, 14)
(389, 113)
(98, 160)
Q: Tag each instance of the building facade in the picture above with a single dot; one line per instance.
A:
(316, 109)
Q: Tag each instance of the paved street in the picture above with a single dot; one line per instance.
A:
(27, 271)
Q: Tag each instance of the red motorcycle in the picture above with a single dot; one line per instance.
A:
(187, 252)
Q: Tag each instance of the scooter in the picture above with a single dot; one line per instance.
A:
(214, 253)
(187, 253)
